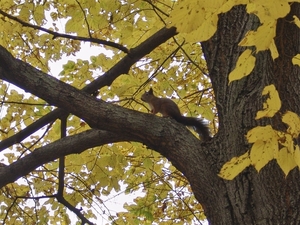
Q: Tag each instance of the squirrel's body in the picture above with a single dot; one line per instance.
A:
(168, 108)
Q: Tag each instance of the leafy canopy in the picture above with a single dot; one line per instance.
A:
(40, 32)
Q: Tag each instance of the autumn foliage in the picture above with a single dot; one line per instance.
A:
(74, 134)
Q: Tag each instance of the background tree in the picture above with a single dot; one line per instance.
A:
(243, 79)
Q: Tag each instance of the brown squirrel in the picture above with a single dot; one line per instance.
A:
(168, 108)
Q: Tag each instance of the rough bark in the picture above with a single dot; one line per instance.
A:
(252, 198)
(267, 197)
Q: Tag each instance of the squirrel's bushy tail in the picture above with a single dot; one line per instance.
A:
(198, 124)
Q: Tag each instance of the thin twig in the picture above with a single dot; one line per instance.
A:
(87, 23)
(56, 34)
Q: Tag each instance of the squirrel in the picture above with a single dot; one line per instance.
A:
(168, 108)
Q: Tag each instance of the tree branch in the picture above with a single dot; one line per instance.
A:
(164, 135)
(60, 94)
(122, 67)
(66, 146)
(85, 19)
(61, 178)
(56, 34)
(63, 201)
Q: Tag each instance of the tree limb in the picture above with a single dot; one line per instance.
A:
(164, 135)
(69, 145)
(122, 67)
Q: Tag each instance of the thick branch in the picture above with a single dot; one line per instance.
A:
(122, 67)
(96, 112)
(163, 135)
(66, 146)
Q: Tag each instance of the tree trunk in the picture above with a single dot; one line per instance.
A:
(267, 197)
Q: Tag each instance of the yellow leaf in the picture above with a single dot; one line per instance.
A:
(207, 112)
(244, 66)
(268, 12)
(273, 49)
(148, 163)
(66, 219)
(22, 190)
(39, 14)
(261, 133)
(210, 27)
(286, 160)
(296, 21)
(235, 166)
(196, 18)
(296, 60)
(269, 9)
(293, 121)
(187, 16)
(24, 13)
(227, 6)
(115, 184)
(73, 25)
(262, 38)
(272, 105)
(286, 140)
(297, 155)
(265, 145)
(262, 152)
(74, 163)
(27, 121)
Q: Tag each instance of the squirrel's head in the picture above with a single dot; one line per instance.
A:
(147, 95)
